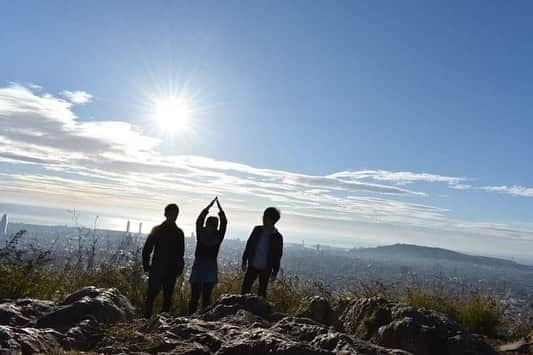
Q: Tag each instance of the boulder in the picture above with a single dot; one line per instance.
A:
(229, 305)
(238, 324)
(20, 340)
(23, 312)
(318, 309)
(417, 330)
(105, 306)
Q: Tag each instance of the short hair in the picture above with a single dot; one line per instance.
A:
(273, 213)
(171, 208)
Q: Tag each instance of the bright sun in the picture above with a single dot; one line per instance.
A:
(173, 114)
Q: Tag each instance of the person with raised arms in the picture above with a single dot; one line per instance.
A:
(209, 237)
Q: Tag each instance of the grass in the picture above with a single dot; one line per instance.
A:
(477, 313)
(29, 272)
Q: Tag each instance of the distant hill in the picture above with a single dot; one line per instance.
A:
(410, 251)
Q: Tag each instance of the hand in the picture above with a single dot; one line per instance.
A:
(243, 267)
(218, 204)
(211, 203)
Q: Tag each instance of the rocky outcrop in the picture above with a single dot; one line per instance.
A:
(319, 309)
(33, 326)
(235, 324)
(401, 326)
(16, 340)
(238, 324)
(23, 312)
(101, 305)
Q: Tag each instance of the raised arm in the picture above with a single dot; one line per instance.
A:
(223, 220)
(148, 248)
(201, 218)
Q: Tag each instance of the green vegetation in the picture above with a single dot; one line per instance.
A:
(480, 314)
(29, 272)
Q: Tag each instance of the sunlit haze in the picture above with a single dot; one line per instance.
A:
(364, 123)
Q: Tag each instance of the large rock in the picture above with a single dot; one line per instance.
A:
(20, 340)
(23, 312)
(32, 326)
(236, 325)
(318, 309)
(229, 305)
(105, 306)
(420, 331)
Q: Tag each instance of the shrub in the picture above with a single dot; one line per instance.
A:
(477, 313)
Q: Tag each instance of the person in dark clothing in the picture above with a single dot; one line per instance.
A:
(204, 274)
(168, 245)
(262, 255)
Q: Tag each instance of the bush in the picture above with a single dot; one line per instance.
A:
(477, 313)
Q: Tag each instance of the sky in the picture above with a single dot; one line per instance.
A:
(363, 121)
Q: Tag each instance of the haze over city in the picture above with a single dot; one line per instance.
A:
(364, 123)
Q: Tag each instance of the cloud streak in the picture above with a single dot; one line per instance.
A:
(514, 190)
(110, 165)
(77, 97)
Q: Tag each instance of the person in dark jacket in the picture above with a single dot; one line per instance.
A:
(204, 274)
(262, 255)
(168, 245)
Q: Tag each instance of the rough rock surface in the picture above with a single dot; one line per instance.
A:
(318, 309)
(102, 305)
(32, 326)
(23, 312)
(15, 340)
(420, 331)
(235, 324)
(241, 325)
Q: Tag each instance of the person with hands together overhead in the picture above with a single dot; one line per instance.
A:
(262, 255)
(204, 274)
(167, 243)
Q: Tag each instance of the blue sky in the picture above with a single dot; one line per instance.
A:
(429, 99)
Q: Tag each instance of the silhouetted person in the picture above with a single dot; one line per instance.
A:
(263, 253)
(167, 243)
(204, 274)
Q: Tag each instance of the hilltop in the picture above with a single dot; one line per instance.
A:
(411, 252)
(103, 321)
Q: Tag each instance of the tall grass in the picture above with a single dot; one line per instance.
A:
(30, 272)
(480, 314)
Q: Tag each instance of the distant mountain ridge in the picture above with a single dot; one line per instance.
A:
(423, 252)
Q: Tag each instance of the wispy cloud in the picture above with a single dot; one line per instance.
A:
(511, 190)
(77, 97)
(110, 165)
(400, 177)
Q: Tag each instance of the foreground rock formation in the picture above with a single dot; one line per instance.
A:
(419, 331)
(101, 320)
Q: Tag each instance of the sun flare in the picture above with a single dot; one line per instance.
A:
(173, 113)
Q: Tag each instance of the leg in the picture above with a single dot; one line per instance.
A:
(207, 289)
(154, 286)
(168, 291)
(264, 276)
(249, 279)
(196, 289)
